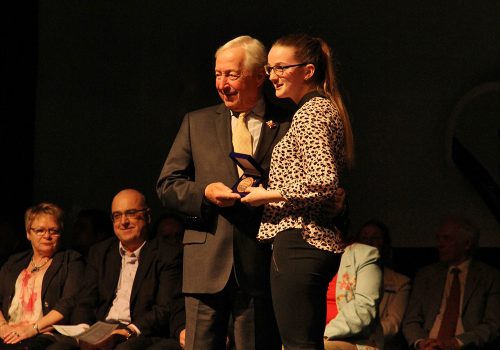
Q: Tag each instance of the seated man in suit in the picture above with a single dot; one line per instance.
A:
(455, 303)
(133, 281)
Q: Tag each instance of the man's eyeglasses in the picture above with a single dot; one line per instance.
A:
(129, 214)
(280, 70)
(40, 231)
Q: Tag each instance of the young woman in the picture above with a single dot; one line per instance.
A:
(304, 174)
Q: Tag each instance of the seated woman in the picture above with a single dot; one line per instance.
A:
(396, 286)
(38, 286)
(352, 301)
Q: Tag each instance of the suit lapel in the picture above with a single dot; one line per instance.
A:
(437, 289)
(267, 136)
(51, 272)
(145, 259)
(473, 280)
(114, 262)
(18, 266)
(223, 132)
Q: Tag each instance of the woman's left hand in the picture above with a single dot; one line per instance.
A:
(259, 195)
(19, 332)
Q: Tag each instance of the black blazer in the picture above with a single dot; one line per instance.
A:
(156, 303)
(216, 239)
(61, 281)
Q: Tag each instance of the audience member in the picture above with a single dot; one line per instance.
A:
(90, 227)
(169, 227)
(353, 296)
(37, 286)
(455, 303)
(396, 286)
(132, 281)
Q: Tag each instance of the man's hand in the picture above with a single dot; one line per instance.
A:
(220, 195)
(428, 344)
(449, 344)
(182, 338)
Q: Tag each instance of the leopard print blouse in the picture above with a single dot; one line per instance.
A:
(305, 169)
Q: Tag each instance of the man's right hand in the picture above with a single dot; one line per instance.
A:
(221, 195)
(428, 344)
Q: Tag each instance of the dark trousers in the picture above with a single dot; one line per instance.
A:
(300, 274)
(38, 342)
(232, 315)
(136, 343)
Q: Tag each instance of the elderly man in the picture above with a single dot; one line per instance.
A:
(226, 271)
(454, 303)
(133, 282)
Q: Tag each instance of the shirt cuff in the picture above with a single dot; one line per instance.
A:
(134, 327)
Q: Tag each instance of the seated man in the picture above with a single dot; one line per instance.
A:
(133, 281)
(455, 303)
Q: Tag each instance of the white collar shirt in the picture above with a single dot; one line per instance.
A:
(120, 309)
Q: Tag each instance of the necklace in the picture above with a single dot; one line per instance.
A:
(36, 267)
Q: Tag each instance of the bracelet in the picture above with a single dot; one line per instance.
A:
(131, 332)
(35, 327)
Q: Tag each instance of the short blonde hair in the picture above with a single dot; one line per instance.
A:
(43, 209)
(255, 51)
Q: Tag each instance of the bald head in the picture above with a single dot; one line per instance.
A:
(131, 218)
(129, 194)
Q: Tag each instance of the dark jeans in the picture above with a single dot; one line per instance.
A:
(300, 274)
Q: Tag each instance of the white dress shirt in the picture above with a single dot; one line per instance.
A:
(120, 310)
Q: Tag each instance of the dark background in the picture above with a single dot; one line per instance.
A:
(93, 92)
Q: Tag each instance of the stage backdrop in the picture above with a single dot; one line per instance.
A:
(116, 77)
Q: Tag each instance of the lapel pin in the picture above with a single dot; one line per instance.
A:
(271, 124)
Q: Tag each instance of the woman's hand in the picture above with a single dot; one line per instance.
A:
(19, 332)
(5, 329)
(259, 195)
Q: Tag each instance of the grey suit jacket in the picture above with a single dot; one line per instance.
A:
(480, 309)
(217, 239)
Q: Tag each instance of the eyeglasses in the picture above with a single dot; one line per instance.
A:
(129, 214)
(40, 231)
(280, 70)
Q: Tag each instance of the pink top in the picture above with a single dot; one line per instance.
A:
(27, 302)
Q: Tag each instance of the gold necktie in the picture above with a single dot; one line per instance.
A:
(242, 139)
